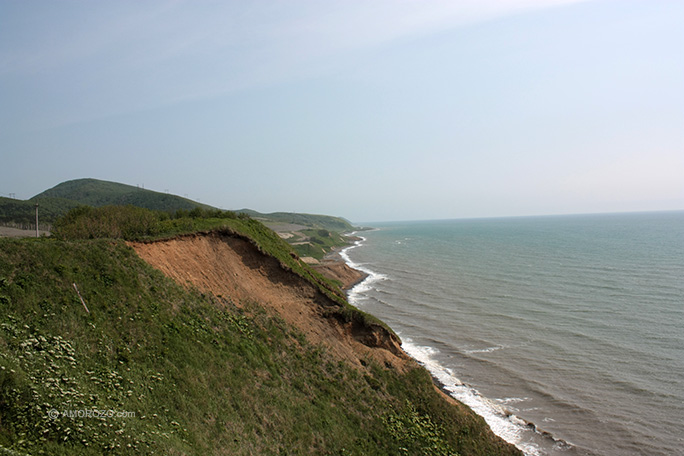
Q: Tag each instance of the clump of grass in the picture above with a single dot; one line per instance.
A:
(418, 433)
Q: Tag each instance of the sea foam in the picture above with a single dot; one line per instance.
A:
(365, 285)
(503, 423)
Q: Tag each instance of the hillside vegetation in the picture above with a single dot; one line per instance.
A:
(100, 353)
(57, 201)
(97, 193)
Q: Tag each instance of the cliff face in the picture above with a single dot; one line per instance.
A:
(231, 267)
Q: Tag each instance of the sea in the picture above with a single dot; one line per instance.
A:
(566, 333)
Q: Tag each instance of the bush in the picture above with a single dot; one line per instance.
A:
(115, 222)
(136, 223)
(199, 213)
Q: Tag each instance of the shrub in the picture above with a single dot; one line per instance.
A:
(197, 212)
(115, 222)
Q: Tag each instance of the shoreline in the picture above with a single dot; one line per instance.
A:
(336, 258)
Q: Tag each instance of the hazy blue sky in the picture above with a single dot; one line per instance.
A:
(371, 110)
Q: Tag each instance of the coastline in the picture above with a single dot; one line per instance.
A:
(451, 388)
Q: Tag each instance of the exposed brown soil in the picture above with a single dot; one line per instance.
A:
(231, 267)
(339, 270)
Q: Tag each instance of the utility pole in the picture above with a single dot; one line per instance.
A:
(37, 235)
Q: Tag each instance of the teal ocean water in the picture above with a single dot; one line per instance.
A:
(566, 333)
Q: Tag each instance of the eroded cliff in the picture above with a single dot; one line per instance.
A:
(231, 267)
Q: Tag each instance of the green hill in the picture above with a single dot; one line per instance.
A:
(97, 193)
(57, 201)
(100, 353)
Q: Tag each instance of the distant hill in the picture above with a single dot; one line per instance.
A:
(327, 222)
(57, 201)
(97, 193)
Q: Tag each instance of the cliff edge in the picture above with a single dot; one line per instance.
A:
(230, 266)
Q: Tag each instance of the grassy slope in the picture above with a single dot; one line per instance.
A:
(201, 375)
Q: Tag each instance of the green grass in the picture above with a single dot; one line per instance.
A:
(196, 373)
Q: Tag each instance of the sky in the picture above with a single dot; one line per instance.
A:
(373, 110)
